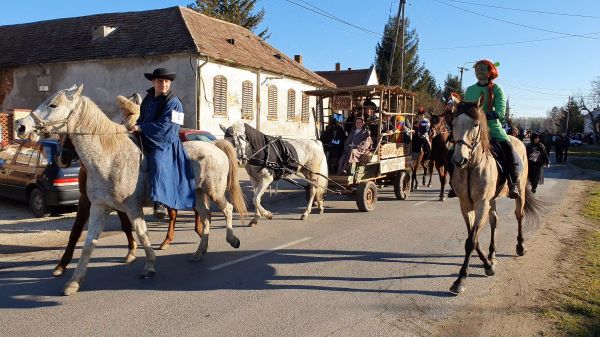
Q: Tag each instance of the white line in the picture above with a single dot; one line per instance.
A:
(422, 202)
(245, 258)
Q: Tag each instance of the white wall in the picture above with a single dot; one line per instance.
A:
(235, 77)
(373, 77)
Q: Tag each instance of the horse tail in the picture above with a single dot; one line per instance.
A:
(233, 183)
(534, 207)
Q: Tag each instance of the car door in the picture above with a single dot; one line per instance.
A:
(7, 157)
(22, 171)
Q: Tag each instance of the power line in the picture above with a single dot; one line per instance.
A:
(527, 10)
(516, 23)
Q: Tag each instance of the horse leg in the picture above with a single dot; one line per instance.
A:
(227, 209)
(97, 220)
(83, 214)
(424, 166)
(198, 223)
(258, 193)
(127, 229)
(414, 182)
(171, 231)
(142, 233)
(521, 248)
(311, 198)
(203, 212)
(430, 166)
(443, 175)
(493, 225)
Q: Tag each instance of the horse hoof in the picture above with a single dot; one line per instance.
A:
(164, 246)
(129, 258)
(304, 216)
(321, 211)
(71, 288)
(429, 185)
(457, 288)
(521, 250)
(195, 258)
(491, 271)
(269, 216)
(252, 223)
(58, 271)
(235, 242)
(442, 199)
(147, 274)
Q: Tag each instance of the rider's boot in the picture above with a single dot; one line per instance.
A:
(510, 160)
(450, 168)
(160, 211)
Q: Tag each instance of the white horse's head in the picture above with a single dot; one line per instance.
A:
(236, 134)
(469, 131)
(52, 115)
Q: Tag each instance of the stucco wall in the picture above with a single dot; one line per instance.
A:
(235, 77)
(103, 80)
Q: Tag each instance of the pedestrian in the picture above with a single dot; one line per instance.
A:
(171, 178)
(566, 143)
(537, 159)
(559, 148)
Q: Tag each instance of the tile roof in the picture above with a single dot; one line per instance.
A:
(155, 32)
(347, 78)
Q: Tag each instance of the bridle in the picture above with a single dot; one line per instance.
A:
(473, 145)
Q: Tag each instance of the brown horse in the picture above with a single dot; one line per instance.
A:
(64, 158)
(475, 181)
(418, 160)
(439, 151)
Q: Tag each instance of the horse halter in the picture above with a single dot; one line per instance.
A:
(473, 145)
(241, 152)
(41, 125)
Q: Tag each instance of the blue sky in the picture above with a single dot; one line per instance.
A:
(535, 75)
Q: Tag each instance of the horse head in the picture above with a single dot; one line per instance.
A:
(52, 115)
(236, 134)
(469, 131)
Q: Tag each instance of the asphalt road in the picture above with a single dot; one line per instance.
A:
(343, 273)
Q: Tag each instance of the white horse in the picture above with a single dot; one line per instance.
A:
(116, 178)
(310, 157)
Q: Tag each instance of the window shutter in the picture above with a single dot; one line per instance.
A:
(305, 116)
(220, 95)
(291, 107)
(247, 100)
(272, 103)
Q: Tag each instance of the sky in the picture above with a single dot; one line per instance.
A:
(548, 50)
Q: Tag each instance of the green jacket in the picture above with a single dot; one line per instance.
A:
(495, 118)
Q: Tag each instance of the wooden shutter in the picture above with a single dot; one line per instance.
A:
(305, 116)
(272, 103)
(291, 105)
(220, 95)
(247, 100)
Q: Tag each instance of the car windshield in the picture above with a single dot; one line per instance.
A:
(205, 137)
(49, 154)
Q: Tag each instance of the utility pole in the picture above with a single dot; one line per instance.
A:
(461, 74)
(399, 23)
(568, 116)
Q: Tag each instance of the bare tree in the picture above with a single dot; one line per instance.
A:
(593, 98)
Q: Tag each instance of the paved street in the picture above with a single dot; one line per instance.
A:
(343, 273)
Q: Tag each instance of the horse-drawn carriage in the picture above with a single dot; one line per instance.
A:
(389, 160)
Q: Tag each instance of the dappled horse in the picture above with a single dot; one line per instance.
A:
(478, 184)
(439, 151)
(270, 158)
(116, 179)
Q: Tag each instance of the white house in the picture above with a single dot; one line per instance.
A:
(224, 72)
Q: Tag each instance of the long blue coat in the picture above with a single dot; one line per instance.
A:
(171, 175)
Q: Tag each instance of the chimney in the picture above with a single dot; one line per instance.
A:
(338, 66)
(349, 68)
(298, 58)
(99, 32)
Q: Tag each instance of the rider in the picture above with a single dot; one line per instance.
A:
(170, 171)
(423, 128)
(495, 108)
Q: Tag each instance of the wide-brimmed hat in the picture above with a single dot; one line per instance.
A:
(160, 73)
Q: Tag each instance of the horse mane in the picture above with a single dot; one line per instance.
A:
(476, 113)
(94, 122)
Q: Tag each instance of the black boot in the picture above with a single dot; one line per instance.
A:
(160, 211)
(450, 168)
(510, 161)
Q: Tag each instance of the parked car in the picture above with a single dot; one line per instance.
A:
(575, 142)
(28, 172)
(186, 134)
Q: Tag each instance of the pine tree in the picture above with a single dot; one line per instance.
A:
(413, 70)
(239, 12)
(451, 84)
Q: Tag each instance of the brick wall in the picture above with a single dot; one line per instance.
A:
(6, 124)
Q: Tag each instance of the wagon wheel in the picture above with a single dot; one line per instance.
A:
(366, 196)
(402, 185)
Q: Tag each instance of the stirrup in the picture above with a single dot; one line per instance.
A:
(160, 212)
(513, 191)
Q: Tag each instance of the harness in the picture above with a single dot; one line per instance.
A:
(472, 148)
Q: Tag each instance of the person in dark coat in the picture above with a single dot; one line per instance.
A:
(357, 144)
(171, 176)
(547, 141)
(333, 139)
(537, 159)
(559, 146)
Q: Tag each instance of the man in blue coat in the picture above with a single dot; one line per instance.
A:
(171, 176)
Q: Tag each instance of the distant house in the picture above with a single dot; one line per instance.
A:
(588, 126)
(225, 73)
(350, 77)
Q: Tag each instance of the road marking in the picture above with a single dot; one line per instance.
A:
(424, 201)
(246, 258)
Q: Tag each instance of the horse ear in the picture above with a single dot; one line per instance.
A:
(223, 127)
(75, 91)
(480, 100)
(455, 97)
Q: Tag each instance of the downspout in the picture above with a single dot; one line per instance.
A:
(258, 100)
(199, 91)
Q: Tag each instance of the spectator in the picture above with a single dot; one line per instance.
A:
(537, 159)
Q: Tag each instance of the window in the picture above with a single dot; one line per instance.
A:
(220, 95)
(247, 100)
(291, 106)
(272, 103)
(305, 115)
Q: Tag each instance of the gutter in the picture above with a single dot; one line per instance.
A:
(199, 90)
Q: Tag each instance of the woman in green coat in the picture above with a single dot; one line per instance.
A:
(495, 108)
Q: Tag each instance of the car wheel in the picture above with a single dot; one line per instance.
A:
(38, 204)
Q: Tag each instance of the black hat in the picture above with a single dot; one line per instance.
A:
(160, 73)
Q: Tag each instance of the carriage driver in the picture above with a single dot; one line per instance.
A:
(494, 108)
(170, 172)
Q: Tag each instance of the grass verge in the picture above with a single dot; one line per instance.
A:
(577, 312)
(585, 151)
(588, 164)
